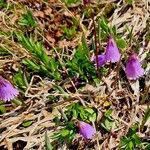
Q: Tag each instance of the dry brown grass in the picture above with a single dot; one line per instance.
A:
(36, 107)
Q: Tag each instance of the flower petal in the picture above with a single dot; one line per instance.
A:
(7, 91)
(112, 51)
(133, 68)
(101, 60)
(86, 130)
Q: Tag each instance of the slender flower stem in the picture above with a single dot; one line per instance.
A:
(117, 69)
(109, 70)
(96, 48)
(145, 95)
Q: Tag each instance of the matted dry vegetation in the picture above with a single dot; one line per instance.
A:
(124, 99)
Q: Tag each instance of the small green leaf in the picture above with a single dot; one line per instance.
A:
(28, 20)
(108, 113)
(107, 124)
(75, 114)
(26, 123)
(47, 142)
(92, 118)
(71, 2)
(3, 4)
(69, 33)
(131, 141)
(4, 51)
(136, 139)
(130, 2)
(20, 79)
(32, 65)
(84, 44)
(104, 26)
(121, 43)
(146, 117)
(78, 111)
(64, 132)
(123, 142)
(130, 146)
(2, 109)
(147, 147)
(89, 110)
(17, 102)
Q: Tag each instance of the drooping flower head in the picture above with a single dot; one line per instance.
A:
(101, 60)
(86, 130)
(133, 68)
(7, 91)
(112, 52)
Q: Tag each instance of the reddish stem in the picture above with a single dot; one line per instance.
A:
(96, 48)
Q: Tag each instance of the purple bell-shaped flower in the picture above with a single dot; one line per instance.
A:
(7, 91)
(134, 69)
(86, 130)
(112, 53)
